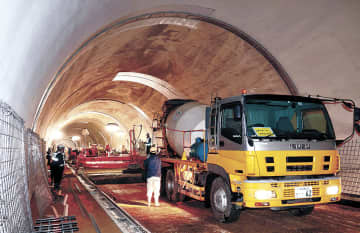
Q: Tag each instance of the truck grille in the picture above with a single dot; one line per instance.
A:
(301, 183)
(295, 168)
(291, 167)
(289, 188)
(301, 159)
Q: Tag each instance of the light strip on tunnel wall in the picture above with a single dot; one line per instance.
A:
(139, 111)
(159, 85)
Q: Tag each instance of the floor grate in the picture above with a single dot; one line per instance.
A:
(56, 225)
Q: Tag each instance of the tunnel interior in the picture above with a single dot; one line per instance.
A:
(123, 73)
(94, 72)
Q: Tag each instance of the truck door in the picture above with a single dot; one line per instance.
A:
(230, 127)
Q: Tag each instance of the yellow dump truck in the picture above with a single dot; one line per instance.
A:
(251, 151)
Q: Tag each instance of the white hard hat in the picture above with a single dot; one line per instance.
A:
(153, 149)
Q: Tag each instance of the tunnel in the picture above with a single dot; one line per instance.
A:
(70, 71)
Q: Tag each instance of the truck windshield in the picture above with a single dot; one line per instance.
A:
(288, 119)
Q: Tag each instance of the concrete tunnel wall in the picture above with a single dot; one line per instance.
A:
(315, 41)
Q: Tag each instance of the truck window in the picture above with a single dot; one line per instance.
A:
(313, 119)
(289, 119)
(231, 122)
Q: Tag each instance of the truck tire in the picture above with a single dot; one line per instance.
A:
(171, 186)
(302, 211)
(220, 199)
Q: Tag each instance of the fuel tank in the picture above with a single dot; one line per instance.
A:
(184, 124)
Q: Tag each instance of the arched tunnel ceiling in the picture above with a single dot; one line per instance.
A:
(198, 58)
(316, 42)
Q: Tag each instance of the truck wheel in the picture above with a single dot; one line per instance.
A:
(220, 199)
(170, 186)
(302, 211)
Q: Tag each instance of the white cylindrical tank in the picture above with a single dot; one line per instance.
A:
(181, 121)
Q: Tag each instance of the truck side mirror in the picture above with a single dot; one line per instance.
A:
(357, 119)
(356, 114)
(357, 127)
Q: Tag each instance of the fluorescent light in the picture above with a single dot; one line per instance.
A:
(75, 138)
(112, 127)
(57, 135)
(120, 133)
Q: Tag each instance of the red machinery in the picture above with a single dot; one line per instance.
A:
(94, 158)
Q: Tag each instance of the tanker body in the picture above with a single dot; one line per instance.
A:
(254, 151)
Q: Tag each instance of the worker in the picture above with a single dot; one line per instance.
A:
(48, 157)
(152, 167)
(58, 162)
(108, 150)
(148, 143)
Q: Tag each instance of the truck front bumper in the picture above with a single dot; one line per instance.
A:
(287, 193)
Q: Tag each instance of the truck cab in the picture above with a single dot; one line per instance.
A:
(277, 151)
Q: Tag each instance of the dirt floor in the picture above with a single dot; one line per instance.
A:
(191, 216)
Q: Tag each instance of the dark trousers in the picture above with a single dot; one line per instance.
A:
(58, 174)
(52, 173)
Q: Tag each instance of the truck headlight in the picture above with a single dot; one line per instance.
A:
(263, 194)
(332, 190)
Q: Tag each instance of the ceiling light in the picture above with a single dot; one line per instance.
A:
(75, 138)
(112, 127)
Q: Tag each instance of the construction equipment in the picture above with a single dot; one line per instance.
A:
(254, 151)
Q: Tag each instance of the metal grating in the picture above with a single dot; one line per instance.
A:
(350, 166)
(296, 168)
(301, 183)
(15, 213)
(65, 224)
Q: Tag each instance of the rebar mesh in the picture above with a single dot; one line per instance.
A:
(15, 214)
(350, 166)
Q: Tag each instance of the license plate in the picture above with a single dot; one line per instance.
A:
(303, 192)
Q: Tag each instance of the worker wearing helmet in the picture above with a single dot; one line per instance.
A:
(148, 143)
(152, 167)
(48, 157)
(57, 162)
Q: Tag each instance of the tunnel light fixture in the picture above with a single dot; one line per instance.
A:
(112, 127)
(120, 133)
(75, 138)
(57, 134)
